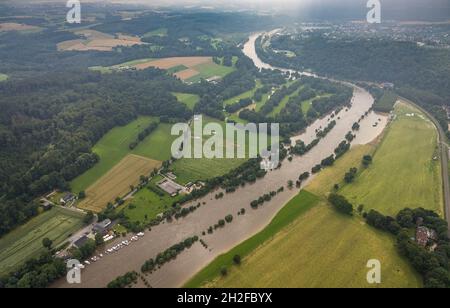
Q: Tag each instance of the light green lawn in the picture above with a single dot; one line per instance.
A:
(3, 77)
(190, 100)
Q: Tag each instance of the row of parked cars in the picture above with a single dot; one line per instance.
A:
(116, 248)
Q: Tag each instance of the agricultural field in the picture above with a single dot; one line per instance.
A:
(321, 249)
(12, 26)
(25, 242)
(3, 77)
(112, 148)
(190, 100)
(116, 183)
(98, 41)
(406, 168)
(189, 69)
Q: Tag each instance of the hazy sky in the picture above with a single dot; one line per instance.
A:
(404, 9)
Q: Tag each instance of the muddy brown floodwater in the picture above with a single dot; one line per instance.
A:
(188, 263)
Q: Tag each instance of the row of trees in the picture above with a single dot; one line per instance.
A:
(168, 255)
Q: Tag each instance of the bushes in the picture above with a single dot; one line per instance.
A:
(350, 175)
(341, 204)
(367, 160)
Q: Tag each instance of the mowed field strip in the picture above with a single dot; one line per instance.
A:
(116, 183)
(26, 241)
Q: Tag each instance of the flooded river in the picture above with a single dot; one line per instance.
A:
(177, 272)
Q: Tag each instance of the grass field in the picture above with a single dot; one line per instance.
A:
(116, 183)
(190, 100)
(406, 168)
(321, 249)
(157, 32)
(26, 241)
(158, 145)
(3, 77)
(114, 146)
(299, 205)
(146, 204)
(189, 170)
(208, 70)
(324, 182)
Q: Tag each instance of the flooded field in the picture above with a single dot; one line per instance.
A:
(175, 273)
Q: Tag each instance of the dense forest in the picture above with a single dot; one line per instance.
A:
(49, 124)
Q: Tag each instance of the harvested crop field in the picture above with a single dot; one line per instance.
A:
(116, 183)
(167, 63)
(189, 69)
(12, 26)
(95, 40)
(186, 74)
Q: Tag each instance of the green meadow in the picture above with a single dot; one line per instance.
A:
(405, 170)
(190, 100)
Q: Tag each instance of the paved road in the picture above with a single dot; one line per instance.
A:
(444, 160)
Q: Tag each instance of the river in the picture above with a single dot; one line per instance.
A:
(178, 271)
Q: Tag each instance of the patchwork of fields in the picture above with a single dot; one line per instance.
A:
(114, 146)
(26, 241)
(116, 183)
(95, 40)
(189, 69)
